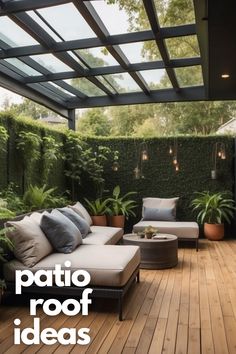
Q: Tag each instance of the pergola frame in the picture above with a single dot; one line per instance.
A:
(39, 88)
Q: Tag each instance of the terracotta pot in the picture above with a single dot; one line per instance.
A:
(117, 221)
(214, 232)
(99, 220)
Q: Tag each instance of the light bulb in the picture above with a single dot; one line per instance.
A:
(219, 153)
(144, 155)
(170, 150)
(177, 168)
(115, 166)
(175, 161)
(223, 156)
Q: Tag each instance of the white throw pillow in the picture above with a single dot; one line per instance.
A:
(80, 209)
(169, 203)
(30, 243)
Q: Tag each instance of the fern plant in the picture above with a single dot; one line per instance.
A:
(213, 208)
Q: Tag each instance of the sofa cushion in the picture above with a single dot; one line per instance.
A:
(80, 222)
(182, 229)
(80, 209)
(30, 243)
(103, 235)
(158, 214)
(62, 233)
(159, 203)
(107, 265)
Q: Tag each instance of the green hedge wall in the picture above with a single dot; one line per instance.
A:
(161, 180)
(11, 162)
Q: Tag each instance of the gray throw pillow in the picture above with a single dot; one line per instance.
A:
(158, 214)
(62, 233)
(80, 222)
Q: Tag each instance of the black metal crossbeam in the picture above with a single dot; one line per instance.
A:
(115, 69)
(196, 93)
(27, 5)
(168, 32)
(153, 19)
(90, 15)
(38, 33)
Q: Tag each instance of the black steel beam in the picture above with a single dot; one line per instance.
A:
(158, 96)
(34, 95)
(27, 5)
(115, 69)
(92, 18)
(71, 120)
(39, 34)
(143, 36)
(153, 19)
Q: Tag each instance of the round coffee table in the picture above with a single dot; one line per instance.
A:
(156, 253)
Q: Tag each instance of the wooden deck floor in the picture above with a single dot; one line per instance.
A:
(188, 309)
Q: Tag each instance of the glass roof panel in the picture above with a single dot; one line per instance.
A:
(38, 20)
(51, 63)
(107, 84)
(74, 27)
(77, 59)
(136, 52)
(116, 19)
(26, 69)
(183, 47)
(13, 35)
(156, 79)
(96, 57)
(61, 89)
(175, 14)
(85, 86)
(122, 82)
(189, 76)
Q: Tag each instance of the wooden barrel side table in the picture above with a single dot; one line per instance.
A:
(156, 253)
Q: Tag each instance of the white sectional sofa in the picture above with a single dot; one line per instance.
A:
(112, 267)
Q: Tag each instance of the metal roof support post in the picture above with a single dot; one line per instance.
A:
(71, 119)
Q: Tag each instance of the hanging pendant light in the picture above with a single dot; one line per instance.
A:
(115, 166)
(170, 150)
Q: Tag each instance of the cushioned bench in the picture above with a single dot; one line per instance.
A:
(184, 230)
(161, 214)
(112, 268)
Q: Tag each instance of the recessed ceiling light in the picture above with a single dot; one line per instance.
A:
(225, 76)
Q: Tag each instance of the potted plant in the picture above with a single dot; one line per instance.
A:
(5, 245)
(150, 231)
(120, 207)
(213, 210)
(98, 210)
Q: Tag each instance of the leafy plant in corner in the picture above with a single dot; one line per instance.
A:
(5, 213)
(213, 209)
(29, 145)
(13, 201)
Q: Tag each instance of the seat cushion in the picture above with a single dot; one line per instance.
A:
(103, 235)
(107, 265)
(182, 229)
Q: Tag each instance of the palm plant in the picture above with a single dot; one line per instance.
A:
(121, 205)
(213, 208)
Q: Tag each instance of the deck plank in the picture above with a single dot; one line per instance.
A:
(189, 309)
